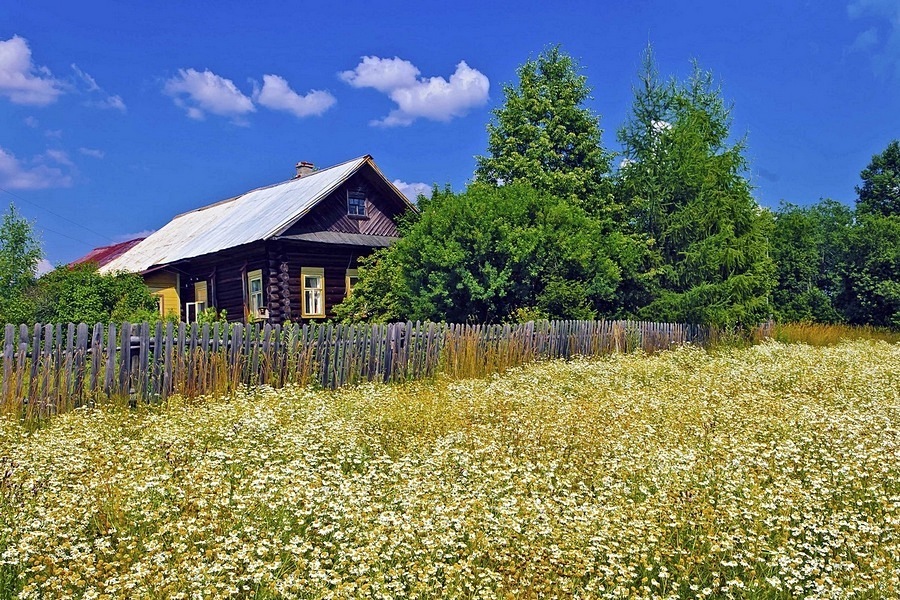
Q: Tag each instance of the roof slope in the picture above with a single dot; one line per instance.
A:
(256, 215)
(105, 254)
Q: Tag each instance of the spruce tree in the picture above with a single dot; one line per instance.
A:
(546, 137)
(684, 186)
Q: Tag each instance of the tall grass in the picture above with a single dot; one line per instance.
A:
(771, 471)
(820, 334)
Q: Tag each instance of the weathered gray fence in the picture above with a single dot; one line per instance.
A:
(50, 368)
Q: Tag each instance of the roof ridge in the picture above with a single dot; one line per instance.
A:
(271, 185)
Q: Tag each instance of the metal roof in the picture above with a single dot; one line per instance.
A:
(346, 239)
(106, 254)
(256, 215)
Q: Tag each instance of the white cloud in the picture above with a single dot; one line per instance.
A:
(382, 74)
(866, 40)
(31, 122)
(433, 98)
(60, 157)
(44, 266)
(20, 80)
(413, 190)
(276, 94)
(100, 98)
(92, 152)
(881, 41)
(200, 93)
(34, 175)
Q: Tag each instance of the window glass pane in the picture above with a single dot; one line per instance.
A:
(255, 285)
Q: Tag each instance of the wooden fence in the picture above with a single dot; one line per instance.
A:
(52, 368)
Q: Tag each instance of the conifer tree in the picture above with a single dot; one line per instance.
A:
(544, 136)
(684, 188)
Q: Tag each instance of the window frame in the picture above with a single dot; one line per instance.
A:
(357, 195)
(312, 272)
(255, 275)
(350, 274)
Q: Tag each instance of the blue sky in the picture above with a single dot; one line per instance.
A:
(118, 115)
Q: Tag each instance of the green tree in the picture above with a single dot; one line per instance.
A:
(683, 185)
(872, 289)
(80, 294)
(20, 253)
(492, 254)
(879, 193)
(809, 246)
(543, 135)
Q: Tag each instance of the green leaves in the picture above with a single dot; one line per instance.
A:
(544, 136)
(19, 256)
(492, 254)
(879, 193)
(80, 294)
(684, 191)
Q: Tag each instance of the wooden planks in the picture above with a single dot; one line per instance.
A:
(50, 368)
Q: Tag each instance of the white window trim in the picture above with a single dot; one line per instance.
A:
(312, 272)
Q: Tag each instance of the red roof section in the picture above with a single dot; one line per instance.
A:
(106, 254)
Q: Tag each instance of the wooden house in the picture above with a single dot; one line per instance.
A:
(283, 252)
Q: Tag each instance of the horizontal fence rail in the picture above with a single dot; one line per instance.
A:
(52, 368)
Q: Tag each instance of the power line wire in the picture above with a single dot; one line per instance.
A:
(59, 216)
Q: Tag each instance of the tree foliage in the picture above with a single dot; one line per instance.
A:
(492, 254)
(683, 187)
(809, 246)
(20, 253)
(543, 135)
(80, 294)
(871, 293)
(879, 194)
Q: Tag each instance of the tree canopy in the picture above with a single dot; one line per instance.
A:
(545, 136)
(79, 294)
(20, 253)
(492, 254)
(684, 188)
(879, 193)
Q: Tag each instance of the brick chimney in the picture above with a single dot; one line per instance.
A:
(304, 168)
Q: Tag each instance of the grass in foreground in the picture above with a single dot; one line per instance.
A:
(766, 472)
(822, 334)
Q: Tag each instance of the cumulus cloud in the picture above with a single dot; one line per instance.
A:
(200, 93)
(35, 174)
(382, 74)
(413, 190)
(882, 41)
(20, 80)
(92, 152)
(276, 94)
(433, 98)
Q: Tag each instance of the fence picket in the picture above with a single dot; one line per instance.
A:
(46, 368)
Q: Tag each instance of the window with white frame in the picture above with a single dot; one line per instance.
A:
(350, 281)
(312, 281)
(255, 292)
(194, 309)
(356, 203)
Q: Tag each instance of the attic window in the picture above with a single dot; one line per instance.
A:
(356, 204)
